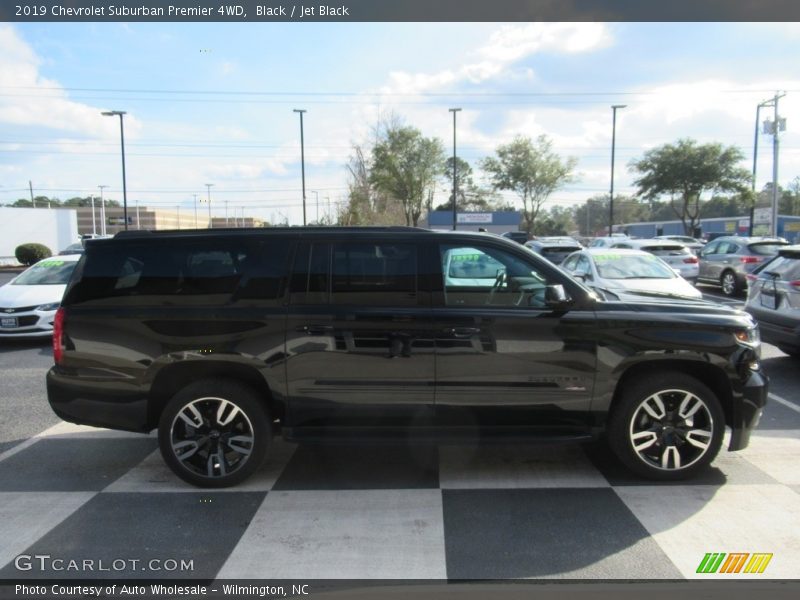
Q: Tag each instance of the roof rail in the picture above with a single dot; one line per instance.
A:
(134, 233)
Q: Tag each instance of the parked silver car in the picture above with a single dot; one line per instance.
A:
(676, 255)
(726, 261)
(630, 275)
(554, 249)
(773, 298)
(693, 244)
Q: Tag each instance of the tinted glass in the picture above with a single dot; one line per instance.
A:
(787, 268)
(155, 272)
(371, 273)
(311, 274)
(47, 272)
(486, 276)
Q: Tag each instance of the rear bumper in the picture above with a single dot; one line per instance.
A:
(747, 410)
(94, 403)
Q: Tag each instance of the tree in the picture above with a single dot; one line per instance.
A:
(530, 169)
(684, 171)
(405, 166)
(591, 218)
(470, 196)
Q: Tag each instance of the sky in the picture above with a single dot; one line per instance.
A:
(212, 103)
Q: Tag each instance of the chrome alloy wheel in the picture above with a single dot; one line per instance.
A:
(671, 429)
(729, 283)
(212, 437)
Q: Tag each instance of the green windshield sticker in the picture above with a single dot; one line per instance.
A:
(606, 257)
(52, 263)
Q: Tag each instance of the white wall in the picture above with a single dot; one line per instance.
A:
(56, 228)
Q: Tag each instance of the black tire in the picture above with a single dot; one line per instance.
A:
(631, 421)
(730, 284)
(225, 427)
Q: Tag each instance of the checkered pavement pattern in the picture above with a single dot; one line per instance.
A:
(395, 512)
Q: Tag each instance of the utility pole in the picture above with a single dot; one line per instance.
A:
(613, 145)
(226, 213)
(302, 161)
(102, 210)
(195, 210)
(755, 165)
(94, 223)
(179, 216)
(208, 190)
(30, 187)
(455, 183)
(777, 127)
(138, 226)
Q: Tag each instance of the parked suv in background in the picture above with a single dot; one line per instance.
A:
(726, 261)
(221, 339)
(518, 236)
(554, 249)
(773, 298)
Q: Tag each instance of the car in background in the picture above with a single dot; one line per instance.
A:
(554, 249)
(773, 298)
(693, 244)
(623, 274)
(76, 248)
(28, 303)
(608, 241)
(726, 261)
(518, 236)
(675, 254)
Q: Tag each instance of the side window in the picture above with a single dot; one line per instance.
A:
(583, 265)
(265, 273)
(310, 282)
(711, 248)
(374, 273)
(729, 248)
(486, 276)
(569, 264)
(207, 271)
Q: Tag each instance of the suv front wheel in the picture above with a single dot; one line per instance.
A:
(214, 433)
(667, 427)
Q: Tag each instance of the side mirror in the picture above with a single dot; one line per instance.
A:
(555, 296)
(582, 275)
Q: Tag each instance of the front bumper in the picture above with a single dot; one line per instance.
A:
(747, 409)
(29, 324)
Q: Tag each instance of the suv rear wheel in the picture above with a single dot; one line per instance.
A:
(214, 433)
(667, 427)
(729, 283)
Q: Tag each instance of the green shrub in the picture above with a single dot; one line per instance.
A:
(27, 254)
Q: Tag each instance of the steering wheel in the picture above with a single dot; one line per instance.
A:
(501, 280)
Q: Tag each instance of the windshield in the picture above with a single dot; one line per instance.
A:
(47, 272)
(631, 266)
(765, 249)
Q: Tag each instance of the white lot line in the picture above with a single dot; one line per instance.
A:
(785, 402)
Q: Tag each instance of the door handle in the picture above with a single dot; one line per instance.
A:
(463, 331)
(315, 329)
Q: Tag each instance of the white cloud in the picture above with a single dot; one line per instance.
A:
(507, 45)
(34, 100)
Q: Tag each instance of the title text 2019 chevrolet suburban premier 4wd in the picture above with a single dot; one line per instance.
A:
(222, 339)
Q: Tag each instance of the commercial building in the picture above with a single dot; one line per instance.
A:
(55, 228)
(493, 222)
(138, 218)
(788, 227)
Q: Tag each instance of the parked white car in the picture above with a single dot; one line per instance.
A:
(28, 303)
(678, 256)
(621, 274)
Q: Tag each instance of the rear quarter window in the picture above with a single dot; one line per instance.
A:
(157, 272)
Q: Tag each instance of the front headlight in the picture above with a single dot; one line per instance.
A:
(748, 337)
(48, 307)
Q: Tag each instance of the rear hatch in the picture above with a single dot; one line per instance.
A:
(675, 255)
(556, 253)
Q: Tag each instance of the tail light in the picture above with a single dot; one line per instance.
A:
(58, 336)
(795, 284)
(691, 260)
(751, 277)
(749, 259)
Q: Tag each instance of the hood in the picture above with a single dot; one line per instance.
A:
(677, 286)
(15, 296)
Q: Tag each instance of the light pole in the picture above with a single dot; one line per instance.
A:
(316, 196)
(121, 113)
(755, 163)
(455, 183)
(195, 210)
(102, 210)
(613, 145)
(208, 190)
(94, 222)
(302, 160)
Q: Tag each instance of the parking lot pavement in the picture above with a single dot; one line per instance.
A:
(460, 512)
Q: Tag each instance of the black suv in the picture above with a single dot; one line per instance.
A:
(222, 339)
